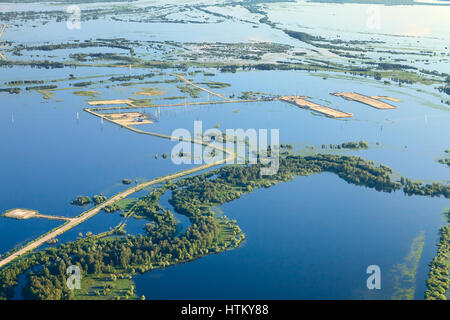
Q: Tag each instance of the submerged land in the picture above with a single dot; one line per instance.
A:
(137, 76)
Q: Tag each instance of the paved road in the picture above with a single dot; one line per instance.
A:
(90, 213)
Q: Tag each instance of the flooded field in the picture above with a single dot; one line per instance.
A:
(69, 97)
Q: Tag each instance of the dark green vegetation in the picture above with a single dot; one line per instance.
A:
(161, 246)
(45, 87)
(438, 278)
(81, 201)
(11, 90)
(385, 2)
(111, 208)
(445, 161)
(192, 91)
(348, 145)
(24, 82)
(126, 181)
(254, 95)
(99, 199)
(434, 189)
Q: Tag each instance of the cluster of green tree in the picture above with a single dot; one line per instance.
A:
(391, 66)
(246, 95)
(348, 145)
(33, 64)
(418, 188)
(174, 98)
(53, 241)
(48, 284)
(324, 43)
(236, 51)
(164, 156)
(398, 76)
(445, 161)
(230, 68)
(110, 43)
(81, 201)
(352, 169)
(82, 84)
(231, 182)
(192, 91)
(132, 77)
(24, 82)
(11, 90)
(99, 199)
(438, 277)
(126, 181)
(446, 90)
(303, 36)
(111, 208)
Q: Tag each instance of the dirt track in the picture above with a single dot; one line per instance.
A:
(305, 104)
(370, 101)
(201, 88)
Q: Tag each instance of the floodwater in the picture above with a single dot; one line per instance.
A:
(311, 238)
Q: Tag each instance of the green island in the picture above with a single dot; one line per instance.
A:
(81, 201)
(86, 93)
(126, 181)
(99, 199)
(445, 161)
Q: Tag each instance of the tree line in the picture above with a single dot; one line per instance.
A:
(160, 245)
